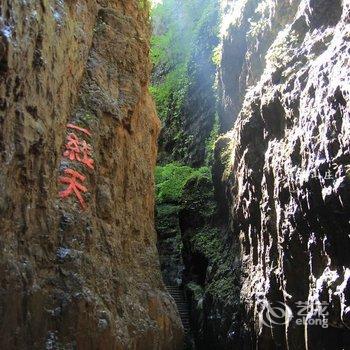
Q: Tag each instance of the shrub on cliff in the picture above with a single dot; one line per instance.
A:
(172, 178)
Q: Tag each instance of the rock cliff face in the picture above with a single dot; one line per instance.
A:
(78, 131)
(285, 84)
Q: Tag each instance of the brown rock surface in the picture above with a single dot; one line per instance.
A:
(73, 278)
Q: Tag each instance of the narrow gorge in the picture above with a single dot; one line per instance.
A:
(253, 171)
(175, 174)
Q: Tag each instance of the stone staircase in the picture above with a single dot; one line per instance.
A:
(182, 307)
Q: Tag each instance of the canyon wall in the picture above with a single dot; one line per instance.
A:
(284, 85)
(185, 34)
(78, 131)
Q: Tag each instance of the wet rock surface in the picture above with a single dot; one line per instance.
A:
(74, 278)
(287, 179)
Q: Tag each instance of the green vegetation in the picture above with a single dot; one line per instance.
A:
(196, 289)
(208, 242)
(167, 219)
(88, 118)
(177, 25)
(210, 142)
(224, 146)
(172, 178)
(198, 198)
(185, 34)
(192, 233)
(223, 288)
(216, 58)
(144, 5)
(173, 89)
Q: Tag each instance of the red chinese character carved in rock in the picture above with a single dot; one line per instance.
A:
(78, 150)
(74, 187)
(86, 150)
(72, 147)
(75, 127)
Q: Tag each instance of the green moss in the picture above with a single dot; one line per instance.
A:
(167, 210)
(347, 167)
(88, 118)
(223, 148)
(167, 221)
(144, 5)
(169, 95)
(216, 57)
(223, 284)
(198, 198)
(196, 289)
(172, 178)
(223, 288)
(207, 242)
(210, 143)
(100, 27)
(281, 52)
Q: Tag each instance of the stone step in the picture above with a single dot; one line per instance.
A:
(182, 307)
